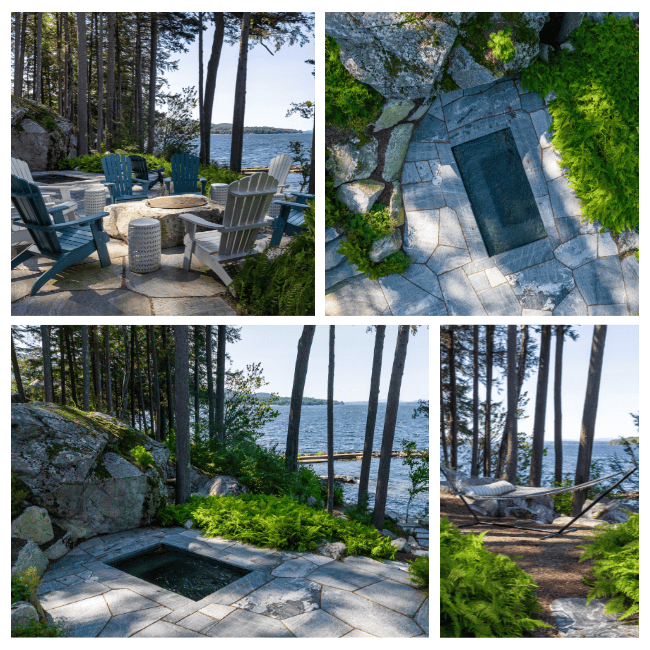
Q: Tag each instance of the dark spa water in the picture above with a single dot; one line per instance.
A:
(54, 179)
(499, 192)
(183, 573)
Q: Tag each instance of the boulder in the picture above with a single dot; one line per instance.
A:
(79, 468)
(351, 160)
(401, 545)
(188, 525)
(396, 151)
(395, 110)
(546, 502)
(222, 486)
(386, 246)
(387, 533)
(571, 21)
(31, 556)
(40, 136)
(33, 524)
(335, 550)
(626, 240)
(519, 512)
(361, 195)
(466, 72)
(542, 514)
(489, 507)
(198, 478)
(397, 204)
(61, 548)
(614, 516)
(22, 614)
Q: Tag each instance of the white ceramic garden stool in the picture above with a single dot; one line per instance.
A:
(144, 245)
(95, 200)
(219, 193)
(274, 209)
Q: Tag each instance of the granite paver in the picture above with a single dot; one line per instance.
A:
(245, 624)
(318, 624)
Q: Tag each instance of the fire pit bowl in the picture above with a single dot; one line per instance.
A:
(176, 202)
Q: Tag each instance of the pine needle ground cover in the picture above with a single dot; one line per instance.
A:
(615, 574)
(269, 521)
(482, 594)
(596, 118)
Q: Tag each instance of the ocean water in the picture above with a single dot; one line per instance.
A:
(601, 451)
(349, 435)
(258, 150)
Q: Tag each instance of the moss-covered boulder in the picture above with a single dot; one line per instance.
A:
(79, 467)
(39, 135)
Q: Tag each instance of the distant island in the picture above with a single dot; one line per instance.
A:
(225, 129)
(283, 401)
(620, 441)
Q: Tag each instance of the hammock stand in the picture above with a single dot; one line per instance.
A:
(528, 493)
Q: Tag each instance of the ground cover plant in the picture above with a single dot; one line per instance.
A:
(596, 118)
(419, 572)
(482, 594)
(615, 574)
(269, 521)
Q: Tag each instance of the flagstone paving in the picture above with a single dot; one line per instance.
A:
(287, 594)
(574, 271)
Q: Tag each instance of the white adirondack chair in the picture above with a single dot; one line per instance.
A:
(21, 169)
(247, 203)
(279, 168)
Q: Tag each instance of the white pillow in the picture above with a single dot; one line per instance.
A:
(489, 490)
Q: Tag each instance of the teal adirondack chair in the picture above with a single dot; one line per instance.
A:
(185, 175)
(142, 173)
(291, 218)
(64, 242)
(119, 179)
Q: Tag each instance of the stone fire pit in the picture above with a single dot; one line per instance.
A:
(171, 227)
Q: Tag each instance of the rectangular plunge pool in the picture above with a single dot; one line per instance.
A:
(182, 572)
(499, 192)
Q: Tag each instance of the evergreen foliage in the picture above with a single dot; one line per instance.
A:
(596, 118)
(269, 521)
(482, 594)
(615, 574)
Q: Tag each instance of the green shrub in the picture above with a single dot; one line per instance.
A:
(24, 585)
(142, 457)
(501, 45)
(615, 574)
(349, 103)
(482, 594)
(19, 492)
(269, 521)
(596, 119)
(41, 629)
(419, 572)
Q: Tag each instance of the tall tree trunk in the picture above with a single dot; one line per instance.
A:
(68, 67)
(82, 87)
(127, 372)
(62, 364)
(109, 383)
(197, 415)
(168, 379)
(132, 377)
(311, 187)
(539, 425)
(85, 365)
(38, 71)
(211, 81)
(511, 416)
(237, 139)
(16, 369)
(48, 385)
(371, 419)
(475, 402)
(588, 427)
(330, 425)
(73, 376)
(139, 111)
(201, 120)
(208, 363)
(110, 82)
(453, 409)
(23, 38)
(94, 337)
(181, 384)
(489, 361)
(143, 410)
(150, 384)
(299, 376)
(443, 434)
(59, 61)
(221, 383)
(557, 401)
(390, 419)
(100, 87)
(156, 383)
(17, 53)
(152, 82)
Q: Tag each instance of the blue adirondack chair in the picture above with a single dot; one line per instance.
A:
(120, 181)
(64, 242)
(142, 173)
(185, 175)
(291, 218)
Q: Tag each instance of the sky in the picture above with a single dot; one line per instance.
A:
(272, 82)
(276, 347)
(619, 386)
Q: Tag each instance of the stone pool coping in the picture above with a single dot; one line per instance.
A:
(286, 594)
(574, 271)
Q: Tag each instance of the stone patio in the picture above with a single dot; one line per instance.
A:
(287, 594)
(574, 271)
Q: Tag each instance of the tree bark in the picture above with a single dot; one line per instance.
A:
(109, 383)
(197, 415)
(181, 384)
(371, 419)
(510, 474)
(330, 425)
(453, 409)
(588, 427)
(16, 369)
(150, 383)
(299, 376)
(156, 383)
(143, 410)
(62, 364)
(237, 139)
(48, 384)
(97, 376)
(127, 372)
(390, 419)
(17, 53)
(85, 365)
(557, 401)
(221, 382)
(475, 402)
(23, 37)
(168, 379)
(489, 361)
(208, 363)
(152, 83)
(139, 114)
(443, 436)
(201, 120)
(100, 85)
(38, 72)
(539, 425)
(132, 377)
(211, 81)
(110, 82)
(311, 187)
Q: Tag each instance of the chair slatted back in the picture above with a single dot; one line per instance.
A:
(21, 169)
(185, 173)
(139, 166)
(279, 168)
(29, 204)
(118, 170)
(243, 208)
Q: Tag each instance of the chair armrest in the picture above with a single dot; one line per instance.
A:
(246, 226)
(203, 180)
(302, 195)
(155, 171)
(198, 221)
(78, 223)
(291, 204)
